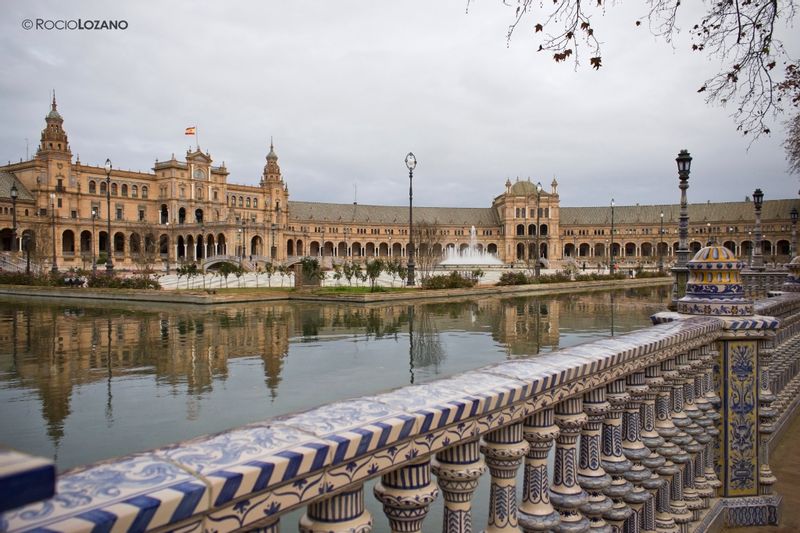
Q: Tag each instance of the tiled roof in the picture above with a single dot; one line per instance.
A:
(385, 214)
(7, 179)
(649, 214)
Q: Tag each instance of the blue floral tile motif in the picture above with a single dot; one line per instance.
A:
(419, 396)
(337, 416)
(138, 492)
(742, 419)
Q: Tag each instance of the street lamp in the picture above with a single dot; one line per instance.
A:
(94, 236)
(684, 161)
(272, 254)
(26, 244)
(793, 215)
(611, 251)
(710, 241)
(14, 194)
(758, 201)
(109, 261)
(411, 163)
(661, 244)
(538, 198)
(54, 267)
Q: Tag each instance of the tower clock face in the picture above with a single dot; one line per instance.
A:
(199, 174)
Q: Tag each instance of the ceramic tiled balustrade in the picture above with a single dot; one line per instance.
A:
(636, 467)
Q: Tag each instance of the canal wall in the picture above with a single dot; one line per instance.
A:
(207, 298)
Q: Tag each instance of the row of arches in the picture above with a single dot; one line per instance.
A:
(646, 249)
(531, 230)
(118, 190)
(314, 248)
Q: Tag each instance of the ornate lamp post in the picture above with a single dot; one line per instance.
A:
(611, 250)
(26, 244)
(411, 163)
(272, 254)
(54, 267)
(758, 201)
(681, 272)
(793, 215)
(14, 194)
(538, 252)
(94, 234)
(661, 244)
(109, 261)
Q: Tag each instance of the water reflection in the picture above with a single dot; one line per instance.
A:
(176, 372)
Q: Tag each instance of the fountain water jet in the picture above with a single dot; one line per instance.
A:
(470, 255)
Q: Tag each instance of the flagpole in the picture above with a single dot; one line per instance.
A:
(196, 139)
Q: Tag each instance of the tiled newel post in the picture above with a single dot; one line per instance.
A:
(458, 470)
(715, 289)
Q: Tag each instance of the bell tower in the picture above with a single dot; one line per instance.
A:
(54, 143)
(276, 195)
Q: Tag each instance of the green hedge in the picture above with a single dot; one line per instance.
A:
(454, 280)
(65, 279)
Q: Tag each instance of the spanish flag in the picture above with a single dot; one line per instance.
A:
(191, 130)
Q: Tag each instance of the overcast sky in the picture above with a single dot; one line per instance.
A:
(347, 88)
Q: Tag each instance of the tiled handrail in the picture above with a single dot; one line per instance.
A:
(237, 479)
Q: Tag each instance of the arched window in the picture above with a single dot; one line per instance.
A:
(92, 187)
(255, 202)
(103, 187)
(124, 190)
(135, 191)
(248, 201)
(113, 189)
(144, 191)
(241, 201)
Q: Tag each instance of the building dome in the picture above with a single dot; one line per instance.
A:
(523, 188)
(715, 285)
(792, 283)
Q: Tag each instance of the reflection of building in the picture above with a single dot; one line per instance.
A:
(187, 210)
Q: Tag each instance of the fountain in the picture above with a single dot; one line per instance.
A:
(470, 255)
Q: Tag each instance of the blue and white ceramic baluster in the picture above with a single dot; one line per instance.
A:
(650, 437)
(458, 470)
(687, 369)
(591, 476)
(714, 403)
(536, 513)
(567, 495)
(612, 458)
(680, 509)
(341, 513)
(635, 450)
(407, 494)
(665, 521)
(503, 450)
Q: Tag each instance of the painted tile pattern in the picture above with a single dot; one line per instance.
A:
(239, 478)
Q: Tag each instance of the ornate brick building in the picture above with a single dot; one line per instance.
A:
(187, 210)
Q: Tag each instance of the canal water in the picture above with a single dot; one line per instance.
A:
(81, 382)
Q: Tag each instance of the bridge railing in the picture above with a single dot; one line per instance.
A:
(656, 429)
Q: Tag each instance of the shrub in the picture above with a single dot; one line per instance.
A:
(103, 281)
(454, 280)
(514, 278)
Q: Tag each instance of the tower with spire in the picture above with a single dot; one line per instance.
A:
(277, 194)
(54, 143)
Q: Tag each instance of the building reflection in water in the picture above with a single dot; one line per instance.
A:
(50, 350)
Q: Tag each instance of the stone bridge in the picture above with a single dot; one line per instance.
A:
(665, 429)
